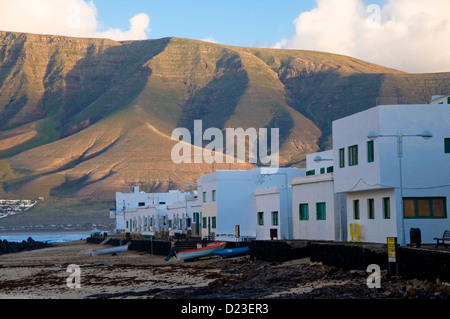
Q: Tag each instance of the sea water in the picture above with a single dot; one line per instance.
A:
(46, 237)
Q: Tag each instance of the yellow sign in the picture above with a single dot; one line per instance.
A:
(392, 249)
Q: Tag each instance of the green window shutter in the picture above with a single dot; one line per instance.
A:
(322, 170)
(260, 218)
(321, 211)
(386, 208)
(341, 158)
(311, 172)
(213, 222)
(353, 155)
(214, 195)
(275, 218)
(170, 223)
(370, 153)
(204, 222)
(356, 209)
(204, 197)
(304, 212)
(447, 145)
(371, 208)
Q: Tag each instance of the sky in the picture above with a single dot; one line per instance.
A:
(409, 35)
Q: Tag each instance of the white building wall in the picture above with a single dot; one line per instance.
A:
(311, 190)
(378, 228)
(234, 201)
(319, 166)
(208, 184)
(235, 198)
(440, 99)
(180, 213)
(267, 201)
(135, 200)
(425, 165)
(350, 131)
(177, 216)
(149, 218)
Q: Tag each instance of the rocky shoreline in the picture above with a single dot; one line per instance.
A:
(139, 275)
(15, 247)
(299, 279)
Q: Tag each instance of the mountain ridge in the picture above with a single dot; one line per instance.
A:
(76, 113)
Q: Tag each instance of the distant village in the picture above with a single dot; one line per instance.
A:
(9, 207)
(387, 174)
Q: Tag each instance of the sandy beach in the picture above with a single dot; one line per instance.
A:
(43, 274)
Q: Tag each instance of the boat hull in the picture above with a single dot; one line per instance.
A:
(107, 251)
(200, 252)
(231, 252)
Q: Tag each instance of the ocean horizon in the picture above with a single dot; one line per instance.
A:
(47, 237)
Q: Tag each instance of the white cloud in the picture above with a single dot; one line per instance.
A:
(410, 35)
(138, 30)
(64, 17)
(209, 39)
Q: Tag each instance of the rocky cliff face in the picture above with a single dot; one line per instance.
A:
(88, 117)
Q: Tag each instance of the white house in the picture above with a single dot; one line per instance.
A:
(318, 213)
(180, 215)
(134, 209)
(229, 202)
(147, 219)
(440, 99)
(273, 205)
(319, 163)
(406, 157)
(269, 204)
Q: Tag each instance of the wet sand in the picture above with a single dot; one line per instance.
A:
(43, 274)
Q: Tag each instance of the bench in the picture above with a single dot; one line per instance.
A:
(445, 237)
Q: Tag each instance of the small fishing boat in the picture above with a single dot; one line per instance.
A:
(200, 252)
(112, 250)
(231, 252)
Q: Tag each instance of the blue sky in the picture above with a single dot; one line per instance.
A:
(232, 22)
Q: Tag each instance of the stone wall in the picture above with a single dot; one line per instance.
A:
(348, 255)
(412, 262)
(278, 250)
(424, 264)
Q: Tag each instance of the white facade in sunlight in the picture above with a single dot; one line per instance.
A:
(318, 212)
(233, 198)
(135, 209)
(367, 170)
(358, 182)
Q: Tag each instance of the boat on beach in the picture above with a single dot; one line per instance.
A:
(207, 250)
(231, 252)
(112, 250)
